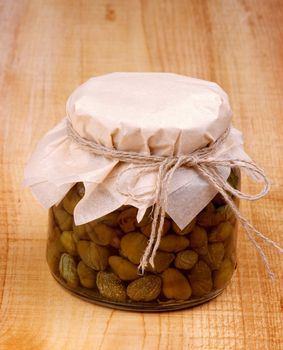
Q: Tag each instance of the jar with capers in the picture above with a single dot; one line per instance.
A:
(142, 182)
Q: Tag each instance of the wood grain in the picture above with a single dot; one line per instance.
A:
(47, 48)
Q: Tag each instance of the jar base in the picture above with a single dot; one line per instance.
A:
(94, 298)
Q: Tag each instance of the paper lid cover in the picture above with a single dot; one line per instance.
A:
(154, 113)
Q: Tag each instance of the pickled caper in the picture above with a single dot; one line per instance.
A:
(123, 268)
(162, 260)
(200, 279)
(127, 220)
(198, 240)
(86, 275)
(186, 259)
(173, 243)
(146, 288)
(133, 245)
(223, 275)
(68, 270)
(175, 285)
(68, 242)
(214, 255)
(83, 230)
(221, 232)
(104, 235)
(53, 254)
(110, 286)
(93, 255)
(63, 219)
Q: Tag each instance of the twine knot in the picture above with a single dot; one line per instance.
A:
(205, 163)
(189, 161)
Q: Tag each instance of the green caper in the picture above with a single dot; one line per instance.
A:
(68, 270)
(93, 255)
(173, 243)
(123, 268)
(198, 240)
(133, 245)
(221, 232)
(86, 275)
(214, 255)
(63, 219)
(175, 285)
(68, 242)
(223, 275)
(200, 279)
(104, 235)
(127, 219)
(186, 259)
(110, 286)
(146, 288)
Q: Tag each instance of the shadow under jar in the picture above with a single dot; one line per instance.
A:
(98, 261)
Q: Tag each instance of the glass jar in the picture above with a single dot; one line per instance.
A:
(98, 261)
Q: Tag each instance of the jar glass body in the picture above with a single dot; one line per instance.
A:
(98, 261)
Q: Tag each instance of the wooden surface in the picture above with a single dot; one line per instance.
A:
(47, 48)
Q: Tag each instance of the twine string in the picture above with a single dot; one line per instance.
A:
(205, 163)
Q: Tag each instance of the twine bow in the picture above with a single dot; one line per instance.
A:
(204, 162)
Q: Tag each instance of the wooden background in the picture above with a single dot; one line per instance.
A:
(47, 48)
